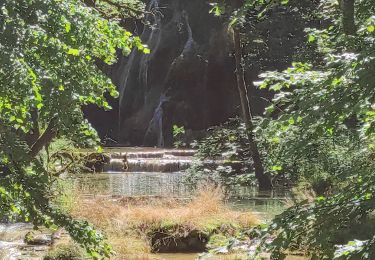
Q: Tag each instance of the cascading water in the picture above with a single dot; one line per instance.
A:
(153, 40)
(189, 64)
(190, 43)
(146, 171)
(150, 160)
(156, 123)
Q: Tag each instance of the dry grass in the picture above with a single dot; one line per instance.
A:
(128, 222)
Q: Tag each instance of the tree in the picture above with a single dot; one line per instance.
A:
(236, 13)
(348, 23)
(49, 50)
(263, 180)
(317, 99)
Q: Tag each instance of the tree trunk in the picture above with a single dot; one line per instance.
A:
(263, 179)
(348, 14)
(45, 139)
(34, 134)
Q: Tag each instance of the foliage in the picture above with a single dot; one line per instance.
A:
(118, 9)
(178, 134)
(227, 144)
(320, 163)
(49, 51)
(325, 98)
(64, 194)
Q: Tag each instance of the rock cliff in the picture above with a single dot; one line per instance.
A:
(188, 78)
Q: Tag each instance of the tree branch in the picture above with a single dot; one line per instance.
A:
(45, 138)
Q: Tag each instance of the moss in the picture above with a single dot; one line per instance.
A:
(65, 252)
(217, 240)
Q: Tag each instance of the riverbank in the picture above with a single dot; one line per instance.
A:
(150, 227)
(148, 214)
(138, 226)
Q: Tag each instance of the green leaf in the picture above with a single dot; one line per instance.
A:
(39, 106)
(99, 149)
(276, 168)
(74, 52)
(67, 27)
(311, 38)
(146, 51)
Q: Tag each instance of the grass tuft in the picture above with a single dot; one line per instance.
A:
(130, 222)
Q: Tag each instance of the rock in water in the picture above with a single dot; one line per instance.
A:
(38, 239)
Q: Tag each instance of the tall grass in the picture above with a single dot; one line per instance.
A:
(129, 222)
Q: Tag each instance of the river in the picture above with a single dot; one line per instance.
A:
(150, 172)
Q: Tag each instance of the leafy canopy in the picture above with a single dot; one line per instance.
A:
(48, 55)
(318, 99)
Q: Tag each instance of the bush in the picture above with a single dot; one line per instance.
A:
(229, 147)
(314, 163)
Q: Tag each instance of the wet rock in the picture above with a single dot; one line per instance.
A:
(95, 162)
(163, 241)
(38, 239)
(157, 160)
(188, 78)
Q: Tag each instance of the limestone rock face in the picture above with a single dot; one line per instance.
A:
(188, 79)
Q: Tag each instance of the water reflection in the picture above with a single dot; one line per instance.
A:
(136, 184)
(160, 184)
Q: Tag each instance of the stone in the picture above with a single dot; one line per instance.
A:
(193, 241)
(38, 239)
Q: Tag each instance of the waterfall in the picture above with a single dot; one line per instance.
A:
(190, 44)
(156, 16)
(179, 68)
(156, 123)
(148, 36)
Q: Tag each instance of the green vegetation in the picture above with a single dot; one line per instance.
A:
(49, 51)
(144, 225)
(321, 100)
(178, 134)
(65, 251)
(317, 135)
(229, 143)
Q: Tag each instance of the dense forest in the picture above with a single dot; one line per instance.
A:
(241, 94)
